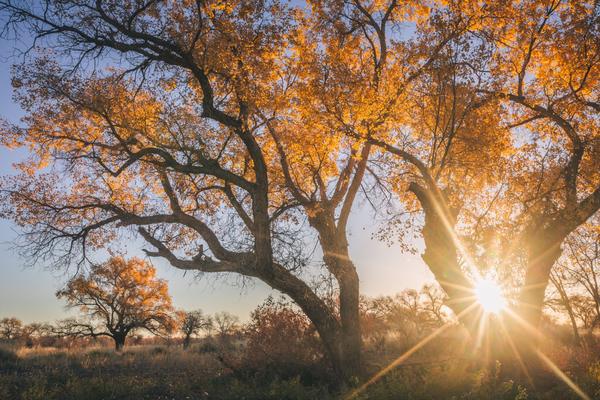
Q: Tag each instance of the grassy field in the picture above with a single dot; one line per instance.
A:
(169, 372)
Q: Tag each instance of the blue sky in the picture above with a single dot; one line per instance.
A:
(28, 292)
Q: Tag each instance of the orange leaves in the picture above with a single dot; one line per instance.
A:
(121, 293)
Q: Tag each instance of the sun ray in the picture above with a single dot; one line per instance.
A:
(557, 371)
(406, 355)
(530, 328)
(480, 329)
(515, 351)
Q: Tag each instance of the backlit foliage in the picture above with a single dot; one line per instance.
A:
(228, 136)
(117, 298)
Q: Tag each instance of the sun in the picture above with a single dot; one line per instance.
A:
(489, 295)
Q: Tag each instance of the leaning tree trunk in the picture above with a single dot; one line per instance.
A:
(543, 251)
(442, 254)
(320, 314)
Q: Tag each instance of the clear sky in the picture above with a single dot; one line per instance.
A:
(28, 292)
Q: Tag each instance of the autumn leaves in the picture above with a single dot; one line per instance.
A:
(214, 133)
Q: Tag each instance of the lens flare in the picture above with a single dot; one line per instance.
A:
(489, 295)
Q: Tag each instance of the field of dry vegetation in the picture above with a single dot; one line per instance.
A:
(276, 355)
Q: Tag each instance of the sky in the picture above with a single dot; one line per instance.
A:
(27, 292)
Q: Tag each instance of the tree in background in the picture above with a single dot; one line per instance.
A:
(118, 297)
(10, 328)
(192, 323)
(576, 279)
(226, 324)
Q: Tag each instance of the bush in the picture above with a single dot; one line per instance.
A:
(282, 343)
(7, 358)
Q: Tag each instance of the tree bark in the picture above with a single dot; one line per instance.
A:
(543, 253)
(351, 340)
(322, 316)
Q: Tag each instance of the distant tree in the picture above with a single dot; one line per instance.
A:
(409, 314)
(10, 328)
(192, 323)
(226, 324)
(32, 333)
(118, 297)
(576, 280)
(434, 303)
(563, 301)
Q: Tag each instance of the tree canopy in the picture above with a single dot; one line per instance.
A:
(117, 298)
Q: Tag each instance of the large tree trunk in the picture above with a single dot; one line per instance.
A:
(351, 341)
(337, 258)
(323, 317)
(442, 255)
(543, 253)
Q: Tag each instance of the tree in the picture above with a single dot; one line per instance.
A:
(507, 199)
(222, 128)
(118, 297)
(34, 333)
(10, 328)
(192, 323)
(190, 140)
(564, 300)
(581, 264)
(551, 95)
(576, 281)
(190, 176)
(226, 324)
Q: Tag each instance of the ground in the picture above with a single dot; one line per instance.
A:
(169, 372)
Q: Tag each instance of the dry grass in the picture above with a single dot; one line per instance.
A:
(169, 372)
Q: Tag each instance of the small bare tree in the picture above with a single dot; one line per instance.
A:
(226, 323)
(192, 323)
